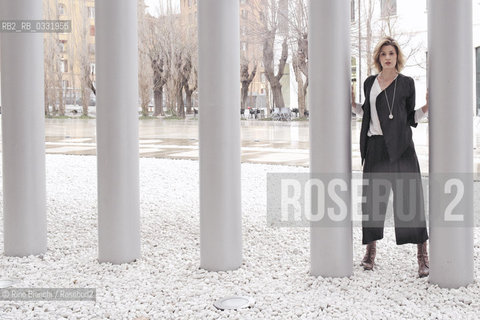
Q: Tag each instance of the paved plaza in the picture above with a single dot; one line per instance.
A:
(267, 142)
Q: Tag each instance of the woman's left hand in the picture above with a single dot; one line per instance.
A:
(425, 107)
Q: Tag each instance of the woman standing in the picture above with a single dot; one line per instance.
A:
(388, 155)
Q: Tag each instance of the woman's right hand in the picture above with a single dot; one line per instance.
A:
(353, 98)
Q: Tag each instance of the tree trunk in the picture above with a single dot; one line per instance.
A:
(46, 101)
(296, 62)
(188, 99)
(171, 103)
(301, 98)
(304, 94)
(144, 109)
(159, 82)
(273, 79)
(158, 101)
(85, 101)
(53, 100)
(85, 90)
(278, 96)
(180, 104)
(61, 103)
(246, 79)
(244, 94)
(85, 98)
(267, 101)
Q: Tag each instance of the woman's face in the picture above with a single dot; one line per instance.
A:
(388, 57)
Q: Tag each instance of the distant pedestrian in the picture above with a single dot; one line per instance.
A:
(388, 154)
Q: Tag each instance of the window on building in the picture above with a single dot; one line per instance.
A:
(63, 65)
(189, 3)
(388, 8)
(353, 66)
(244, 14)
(477, 56)
(91, 12)
(92, 68)
(91, 48)
(65, 84)
(243, 30)
(61, 9)
(92, 31)
(244, 46)
(352, 10)
(62, 44)
(243, 1)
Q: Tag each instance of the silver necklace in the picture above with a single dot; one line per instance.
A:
(390, 116)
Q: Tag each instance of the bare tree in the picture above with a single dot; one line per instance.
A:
(171, 56)
(50, 46)
(73, 46)
(49, 66)
(190, 62)
(145, 73)
(54, 90)
(299, 45)
(246, 78)
(80, 54)
(190, 81)
(251, 44)
(269, 12)
(159, 81)
(178, 82)
(155, 49)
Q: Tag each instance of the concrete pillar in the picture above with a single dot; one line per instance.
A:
(23, 133)
(330, 136)
(219, 133)
(117, 131)
(451, 146)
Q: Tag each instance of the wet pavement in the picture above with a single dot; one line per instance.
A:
(270, 142)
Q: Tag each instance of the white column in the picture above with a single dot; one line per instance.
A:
(219, 132)
(330, 133)
(450, 51)
(23, 133)
(117, 131)
(0, 73)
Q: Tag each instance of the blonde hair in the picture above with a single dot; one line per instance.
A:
(388, 41)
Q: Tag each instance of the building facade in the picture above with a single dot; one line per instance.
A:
(70, 57)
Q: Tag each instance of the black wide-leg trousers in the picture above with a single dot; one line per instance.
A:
(403, 177)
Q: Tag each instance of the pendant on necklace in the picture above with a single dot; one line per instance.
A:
(391, 116)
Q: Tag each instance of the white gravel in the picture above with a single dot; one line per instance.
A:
(166, 283)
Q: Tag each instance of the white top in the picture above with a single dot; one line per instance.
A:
(375, 128)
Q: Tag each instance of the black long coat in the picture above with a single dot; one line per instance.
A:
(397, 132)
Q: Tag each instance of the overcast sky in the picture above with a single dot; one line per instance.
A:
(153, 5)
